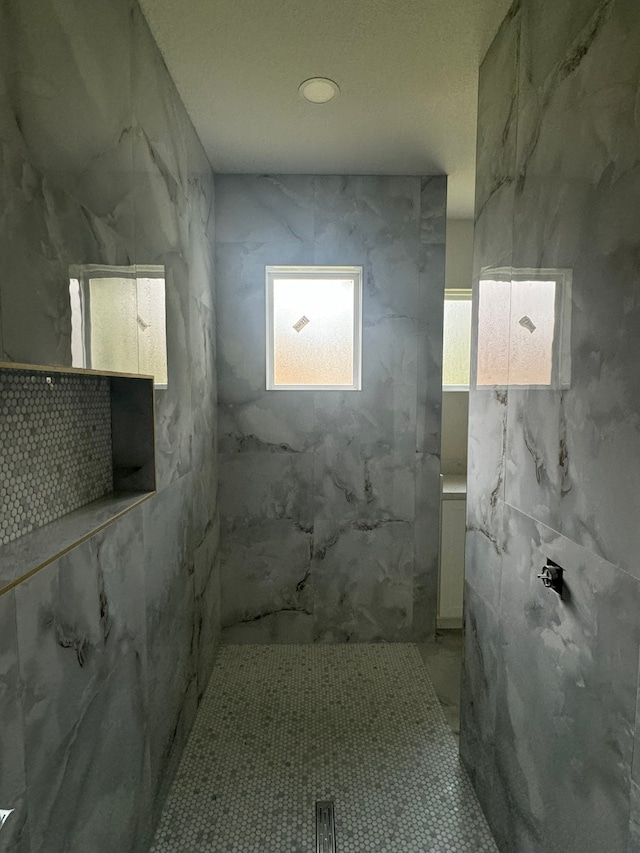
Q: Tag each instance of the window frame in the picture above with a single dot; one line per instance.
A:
(561, 346)
(310, 272)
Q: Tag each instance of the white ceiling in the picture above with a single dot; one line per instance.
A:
(407, 71)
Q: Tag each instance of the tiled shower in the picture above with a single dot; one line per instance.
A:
(279, 520)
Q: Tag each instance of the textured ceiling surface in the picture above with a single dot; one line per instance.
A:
(407, 71)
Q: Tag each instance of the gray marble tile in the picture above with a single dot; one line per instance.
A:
(206, 559)
(111, 810)
(208, 621)
(433, 203)
(362, 577)
(201, 212)
(101, 165)
(567, 694)
(493, 238)
(634, 790)
(159, 113)
(426, 546)
(362, 445)
(443, 660)
(174, 415)
(240, 270)
(160, 214)
(373, 222)
(556, 38)
(264, 209)
(484, 547)
(257, 485)
(265, 570)
(496, 161)
(360, 480)
(203, 377)
(162, 236)
(45, 46)
(497, 125)
(208, 594)
(564, 461)
(82, 650)
(486, 457)
(208, 604)
(430, 312)
(14, 835)
(50, 228)
(478, 697)
(570, 211)
(634, 819)
(383, 414)
(171, 624)
(202, 346)
(276, 422)
(69, 195)
(284, 626)
(161, 204)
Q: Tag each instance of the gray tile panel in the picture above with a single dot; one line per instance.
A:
(320, 466)
(549, 711)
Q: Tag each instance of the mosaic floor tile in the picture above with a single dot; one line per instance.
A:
(281, 727)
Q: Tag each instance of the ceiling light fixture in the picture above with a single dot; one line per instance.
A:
(318, 90)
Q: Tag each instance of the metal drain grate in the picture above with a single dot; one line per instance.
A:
(325, 827)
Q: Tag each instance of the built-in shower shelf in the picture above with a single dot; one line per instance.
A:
(23, 557)
(76, 453)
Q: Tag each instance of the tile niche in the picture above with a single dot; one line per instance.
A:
(76, 452)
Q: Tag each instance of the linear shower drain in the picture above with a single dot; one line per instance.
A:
(325, 827)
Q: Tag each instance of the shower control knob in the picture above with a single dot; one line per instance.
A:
(551, 576)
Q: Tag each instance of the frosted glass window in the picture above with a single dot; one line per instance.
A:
(493, 332)
(314, 328)
(532, 325)
(114, 337)
(118, 320)
(456, 343)
(524, 329)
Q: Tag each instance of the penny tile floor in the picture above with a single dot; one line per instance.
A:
(283, 726)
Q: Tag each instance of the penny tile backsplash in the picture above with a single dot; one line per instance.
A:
(55, 447)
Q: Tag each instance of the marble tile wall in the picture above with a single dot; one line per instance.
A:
(549, 709)
(105, 653)
(330, 500)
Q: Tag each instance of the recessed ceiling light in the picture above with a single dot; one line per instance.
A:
(318, 90)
